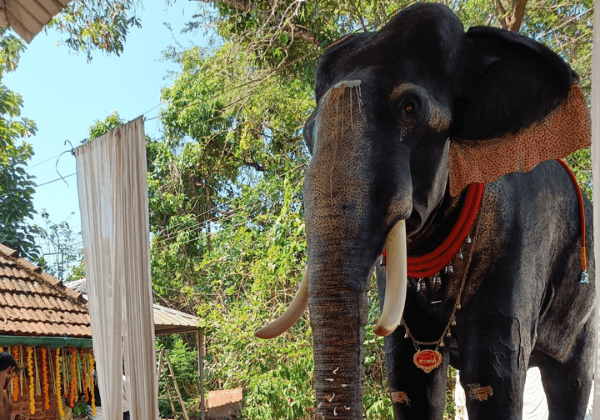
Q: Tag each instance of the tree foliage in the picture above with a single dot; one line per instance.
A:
(97, 24)
(61, 248)
(16, 185)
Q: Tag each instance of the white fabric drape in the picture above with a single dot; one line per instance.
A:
(113, 198)
(595, 115)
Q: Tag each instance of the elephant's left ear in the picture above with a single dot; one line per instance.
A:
(521, 105)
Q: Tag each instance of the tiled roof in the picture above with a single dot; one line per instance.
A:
(29, 17)
(166, 320)
(33, 303)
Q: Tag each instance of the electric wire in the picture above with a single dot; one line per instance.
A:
(57, 179)
(166, 237)
(44, 161)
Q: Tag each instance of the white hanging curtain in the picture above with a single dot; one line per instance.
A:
(113, 198)
(595, 115)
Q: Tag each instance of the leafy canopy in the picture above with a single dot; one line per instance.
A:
(16, 185)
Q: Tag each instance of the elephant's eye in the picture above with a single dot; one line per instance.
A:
(409, 107)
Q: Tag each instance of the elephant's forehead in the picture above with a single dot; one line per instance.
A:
(339, 164)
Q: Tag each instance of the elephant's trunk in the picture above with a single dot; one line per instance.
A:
(337, 320)
(344, 236)
(342, 230)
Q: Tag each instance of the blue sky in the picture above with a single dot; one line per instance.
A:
(64, 95)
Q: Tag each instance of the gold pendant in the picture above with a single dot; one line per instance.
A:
(427, 360)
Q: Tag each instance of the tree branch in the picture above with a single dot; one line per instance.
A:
(513, 19)
(501, 13)
(518, 12)
(247, 6)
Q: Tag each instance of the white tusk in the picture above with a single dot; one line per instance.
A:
(290, 316)
(396, 280)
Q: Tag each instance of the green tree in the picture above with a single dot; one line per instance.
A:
(61, 248)
(97, 24)
(16, 185)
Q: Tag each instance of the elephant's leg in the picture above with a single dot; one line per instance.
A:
(568, 384)
(415, 394)
(494, 355)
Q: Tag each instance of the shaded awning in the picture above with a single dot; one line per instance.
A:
(28, 17)
(166, 320)
(170, 321)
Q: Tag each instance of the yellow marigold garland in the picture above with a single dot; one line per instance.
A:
(92, 384)
(45, 379)
(84, 376)
(61, 410)
(15, 352)
(73, 378)
(31, 382)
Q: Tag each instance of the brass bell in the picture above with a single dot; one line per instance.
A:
(460, 255)
(469, 240)
(436, 282)
(421, 285)
(449, 269)
(583, 277)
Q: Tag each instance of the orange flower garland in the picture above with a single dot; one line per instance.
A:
(73, 378)
(31, 383)
(45, 379)
(15, 352)
(92, 384)
(84, 376)
(61, 410)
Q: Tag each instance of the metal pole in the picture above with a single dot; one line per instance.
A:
(200, 345)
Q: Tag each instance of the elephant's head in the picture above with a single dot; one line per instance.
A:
(405, 118)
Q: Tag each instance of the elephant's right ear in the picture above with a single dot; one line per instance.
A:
(309, 131)
(520, 104)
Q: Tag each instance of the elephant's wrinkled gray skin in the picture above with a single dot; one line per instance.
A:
(397, 113)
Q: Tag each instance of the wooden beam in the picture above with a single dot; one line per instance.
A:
(176, 386)
(160, 369)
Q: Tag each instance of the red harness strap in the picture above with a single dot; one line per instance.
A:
(432, 263)
(581, 213)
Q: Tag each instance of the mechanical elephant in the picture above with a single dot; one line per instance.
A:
(441, 144)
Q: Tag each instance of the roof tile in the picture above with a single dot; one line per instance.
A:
(9, 300)
(35, 303)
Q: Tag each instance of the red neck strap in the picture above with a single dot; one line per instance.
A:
(432, 263)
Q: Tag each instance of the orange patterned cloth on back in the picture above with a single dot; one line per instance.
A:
(564, 130)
